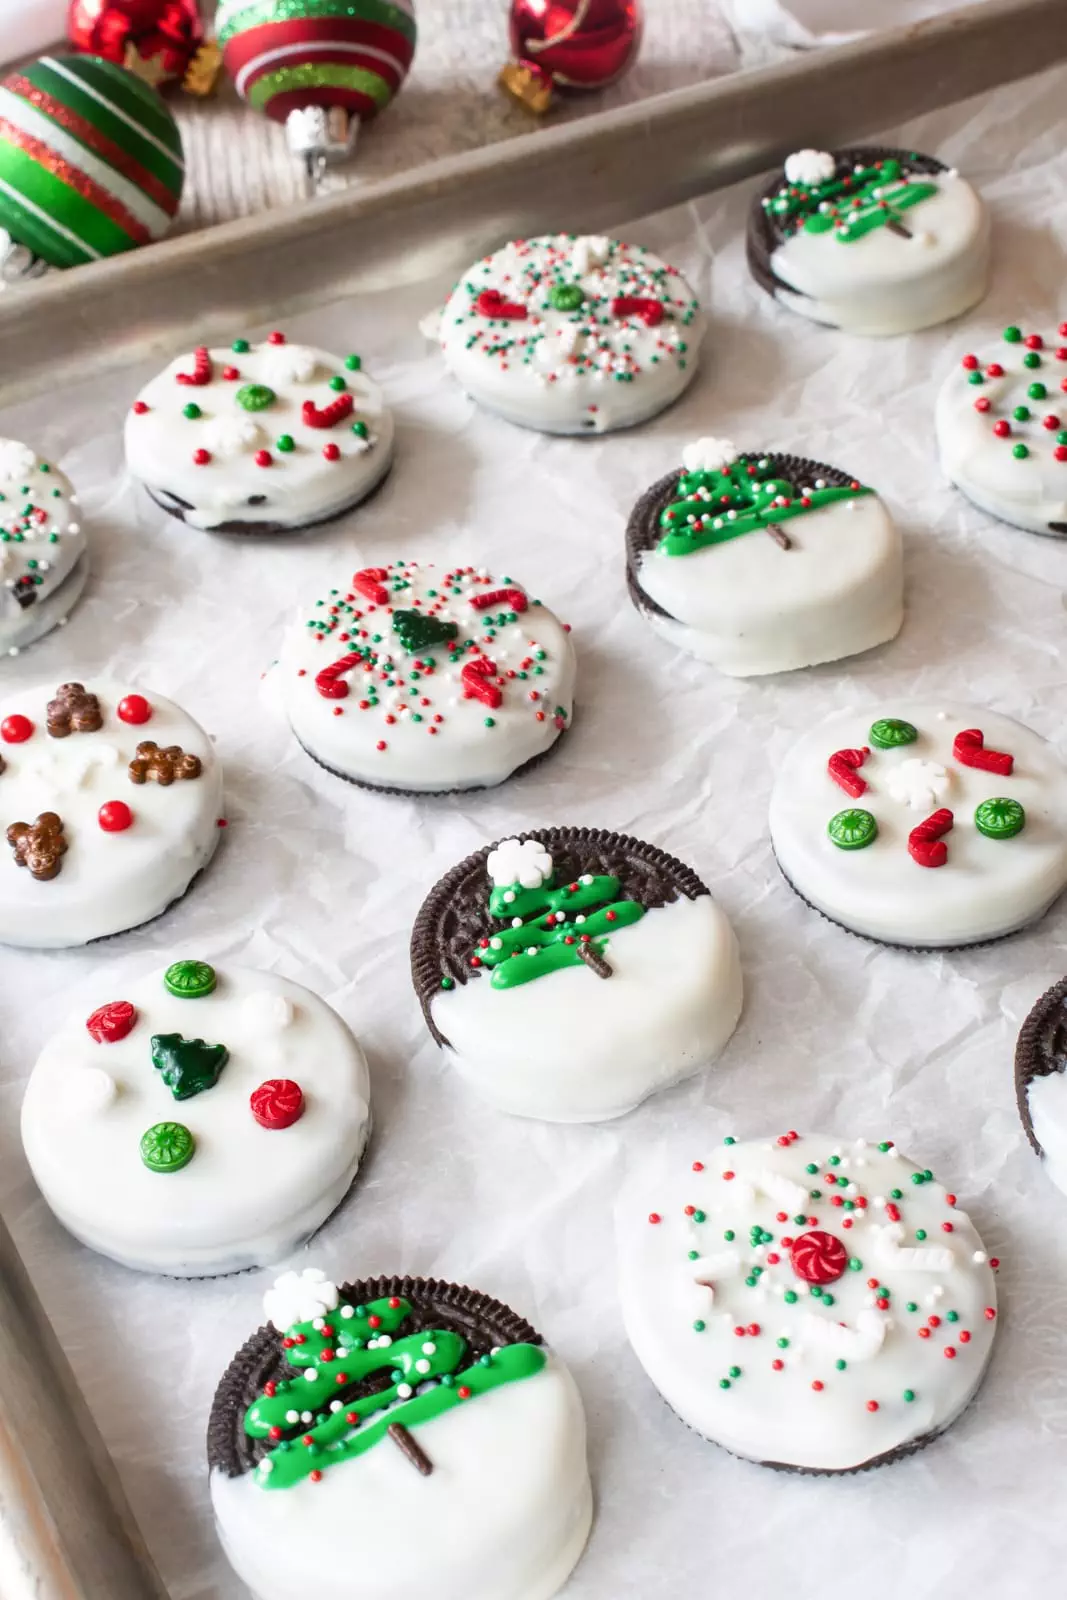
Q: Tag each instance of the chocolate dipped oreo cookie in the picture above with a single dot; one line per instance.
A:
(360, 1414)
(1041, 1081)
(871, 240)
(571, 972)
(759, 562)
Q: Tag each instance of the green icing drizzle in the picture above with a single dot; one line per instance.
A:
(849, 205)
(520, 954)
(344, 1351)
(713, 507)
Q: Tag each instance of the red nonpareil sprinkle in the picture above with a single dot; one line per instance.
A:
(950, 1199)
(739, 1331)
(754, 1329)
(270, 1389)
(374, 1321)
(946, 1227)
(965, 1337)
(924, 1333)
(381, 745)
(698, 1166)
(728, 1176)
(872, 1405)
(994, 1262)
(949, 1353)
(274, 1433)
(777, 1365)
(935, 1322)
(690, 1210)
(231, 374)
(331, 452)
(463, 1392)
(264, 458)
(394, 1302)
(654, 1217)
(817, 1385)
(981, 404)
(1051, 422)
(140, 407)
(1002, 428)
(316, 1476)
(970, 363)
(994, 370)
(990, 1313)
(201, 457)
(352, 1418)
(276, 337)
(1034, 341)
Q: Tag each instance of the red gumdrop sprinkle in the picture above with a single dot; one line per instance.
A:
(114, 816)
(108, 1024)
(134, 708)
(16, 729)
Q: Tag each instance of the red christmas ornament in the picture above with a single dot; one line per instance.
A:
(162, 41)
(568, 44)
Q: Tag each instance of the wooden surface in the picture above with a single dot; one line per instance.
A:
(66, 1531)
(585, 176)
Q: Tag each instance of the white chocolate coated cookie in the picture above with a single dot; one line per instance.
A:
(573, 973)
(43, 560)
(1002, 429)
(261, 437)
(923, 824)
(572, 334)
(419, 678)
(806, 1301)
(123, 849)
(275, 1139)
(765, 563)
(876, 242)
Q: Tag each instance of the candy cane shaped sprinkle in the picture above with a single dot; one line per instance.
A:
(202, 372)
(514, 599)
(969, 749)
(925, 844)
(842, 767)
(650, 311)
(476, 686)
(370, 582)
(327, 416)
(491, 303)
(330, 681)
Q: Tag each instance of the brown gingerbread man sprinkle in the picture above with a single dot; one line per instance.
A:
(38, 845)
(74, 710)
(163, 765)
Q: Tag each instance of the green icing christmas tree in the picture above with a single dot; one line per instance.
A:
(550, 925)
(431, 1371)
(187, 1066)
(855, 204)
(719, 503)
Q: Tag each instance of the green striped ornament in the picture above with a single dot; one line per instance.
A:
(90, 160)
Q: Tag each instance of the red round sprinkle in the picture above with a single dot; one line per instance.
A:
(872, 1405)
(133, 708)
(990, 1313)
(965, 1337)
(231, 374)
(331, 452)
(698, 1166)
(1051, 422)
(277, 1103)
(1034, 341)
(201, 457)
(817, 1385)
(981, 404)
(728, 1176)
(108, 1024)
(1060, 452)
(140, 407)
(924, 1333)
(274, 1433)
(949, 1352)
(970, 363)
(753, 1329)
(374, 1321)
(276, 337)
(946, 1227)
(463, 1392)
(935, 1322)
(16, 729)
(654, 1216)
(263, 458)
(994, 1262)
(114, 816)
(316, 1476)
(1002, 428)
(994, 370)
(777, 1365)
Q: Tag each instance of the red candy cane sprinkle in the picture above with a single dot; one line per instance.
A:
(327, 416)
(108, 1024)
(514, 599)
(330, 682)
(491, 303)
(842, 767)
(276, 1104)
(925, 844)
(968, 747)
(475, 678)
(650, 311)
(202, 372)
(369, 583)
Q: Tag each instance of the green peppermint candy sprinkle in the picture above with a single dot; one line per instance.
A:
(565, 296)
(1000, 818)
(853, 829)
(255, 396)
(167, 1147)
(889, 732)
(190, 980)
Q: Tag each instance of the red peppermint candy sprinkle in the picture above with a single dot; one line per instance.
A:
(108, 1024)
(278, 1103)
(818, 1257)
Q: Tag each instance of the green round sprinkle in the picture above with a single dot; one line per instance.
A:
(888, 732)
(338, 383)
(920, 1233)
(240, 347)
(167, 1147)
(790, 1297)
(1020, 452)
(1031, 359)
(698, 1327)
(975, 377)
(735, 1372)
(255, 396)
(853, 829)
(353, 363)
(840, 1364)
(192, 411)
(565, 296)
(729, 1139)
(1000, 818)
(1037, 391)
(448, 983)
(952, 1316)
(360, 430)
(783, 1343)
(729, 1236)
(911, 1306)
(811, 1167)
(908, 1395)
(1021, 413)
(490, 722)
(285, 443)
(855, 1264)
(1012, 334)
(190, 980)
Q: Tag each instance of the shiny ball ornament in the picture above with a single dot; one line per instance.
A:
(90, 160)
(568, 45)
(320, 66)
(161, 41)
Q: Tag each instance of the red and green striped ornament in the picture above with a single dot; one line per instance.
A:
(286, 55)
(90, 160)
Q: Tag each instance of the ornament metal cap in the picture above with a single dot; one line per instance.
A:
(321, 134)
(530, 85)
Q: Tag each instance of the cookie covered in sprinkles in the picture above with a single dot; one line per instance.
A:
(44, 563)
(571, 972)
(923, 824)
(807, 1302)
(260, 437)
(871, 240)
(418, 678)
(576, 334)
(758, 562)
(366, 1412)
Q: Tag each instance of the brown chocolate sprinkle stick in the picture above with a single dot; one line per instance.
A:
(593, 959)
(900, 230)
(411, 1448)
(779, 535)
